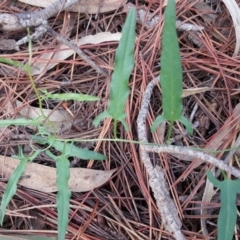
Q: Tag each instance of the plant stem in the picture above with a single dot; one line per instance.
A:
(169, 132)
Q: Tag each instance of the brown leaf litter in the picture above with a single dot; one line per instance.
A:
(124, 207)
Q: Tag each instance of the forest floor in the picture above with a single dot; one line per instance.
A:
(124, 207)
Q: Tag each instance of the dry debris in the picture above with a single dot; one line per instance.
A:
(125, 207)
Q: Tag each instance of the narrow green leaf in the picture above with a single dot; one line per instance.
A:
(70, 149)
(13, 180)
(187, 124)
(171, 71)
(19, 122)
(15, 63)
(157, 121)
(64, 193)
(124, 62)
(171, 67)
(72, 96)
(213, 180)
(100, 117)
(228, 212)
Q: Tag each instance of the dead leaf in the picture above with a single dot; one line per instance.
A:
(61, 119)
(84, 6)
(235, 14)
(50, 59)
(43, 178)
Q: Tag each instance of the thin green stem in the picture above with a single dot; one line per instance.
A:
(169, 132)
(115, 128)
(28, 68)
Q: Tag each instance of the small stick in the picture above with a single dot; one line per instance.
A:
(77, 50)
(157, 182)
(18, 21)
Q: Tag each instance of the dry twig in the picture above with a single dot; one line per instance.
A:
(145, 18)
(157, 182)
(18, 21)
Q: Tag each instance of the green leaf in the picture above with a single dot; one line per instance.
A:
(13, 180)
(171, 71)
(70, 149)
(100, 117)
(124, 62)
(64, 193)
(187, 124)
(157, 121)
(71, 96)
(228, 212)
(171, 67)
(19, 122)
(15, 63)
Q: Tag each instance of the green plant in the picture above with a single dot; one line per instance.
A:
(228, 211)
(171, 83)
(69, 148)
(13, 180)
(45, 138)
(69, 96)
(124, 62)
(64, 193)
(118, 96)
(171, 74)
